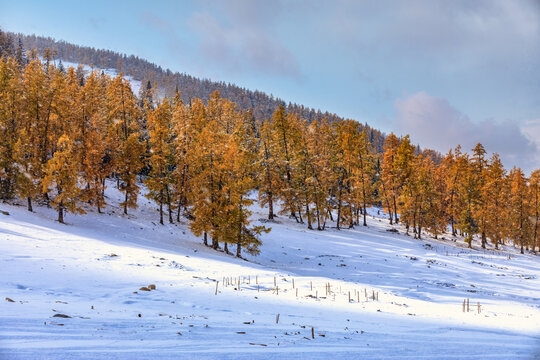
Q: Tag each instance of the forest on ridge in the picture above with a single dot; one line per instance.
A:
(168, 82)
(63, 133)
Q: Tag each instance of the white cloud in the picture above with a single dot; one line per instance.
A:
(531, 129)
(240, 43)
(435, 123)
(467, 29)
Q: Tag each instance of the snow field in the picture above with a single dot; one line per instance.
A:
(92, 269)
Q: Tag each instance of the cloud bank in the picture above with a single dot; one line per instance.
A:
(239, 44)
(435, 123)
(461, 29)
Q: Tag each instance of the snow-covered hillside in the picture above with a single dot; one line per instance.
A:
(135, 84)
(73, 291)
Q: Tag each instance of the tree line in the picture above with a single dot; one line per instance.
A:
(168, 82)
(63, 133)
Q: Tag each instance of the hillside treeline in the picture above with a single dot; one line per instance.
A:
(63, 133)
(190, 87)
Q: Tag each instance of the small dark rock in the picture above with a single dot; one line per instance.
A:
(64, 316)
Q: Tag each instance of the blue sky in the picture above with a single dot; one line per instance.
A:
(447, 72)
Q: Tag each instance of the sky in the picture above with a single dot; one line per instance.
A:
(445, 72)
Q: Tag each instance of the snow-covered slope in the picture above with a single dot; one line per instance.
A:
(92, 269)
(135, 84)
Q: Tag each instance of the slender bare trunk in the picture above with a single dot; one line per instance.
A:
(338, 210)
(61, 213)
(270, 206)
(161, 206)
(238, 250)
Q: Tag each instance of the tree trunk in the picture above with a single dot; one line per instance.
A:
(396, 220)
(414, 223)
(270, 205)
(452, 214)
(226, 248)
(387, 203)
(269, 193)
(329, 211)
(161, 206)
(215, 243)
(169, 205)
(205, 237)
(47, 200)
(339, 209)
(29, 200)
(318, 216)
(238, 250)
(535, 239)
(535, 236)
(299, 214)
(61, 213)
(484, 240)
(364, 214)
(308, 216)
(338, 219)
(125, 203)
(240, 229)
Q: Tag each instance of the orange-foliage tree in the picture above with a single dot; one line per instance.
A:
(67, 133)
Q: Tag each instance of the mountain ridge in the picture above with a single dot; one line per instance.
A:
(262, 104)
